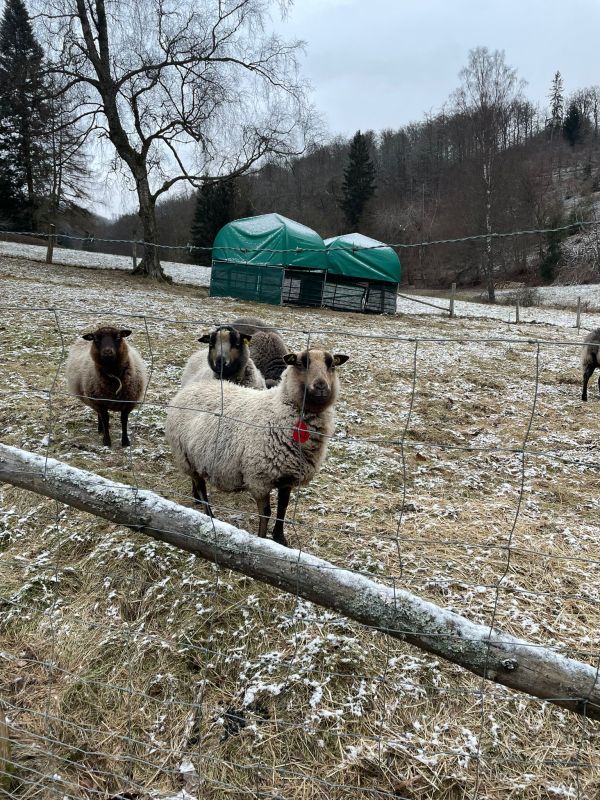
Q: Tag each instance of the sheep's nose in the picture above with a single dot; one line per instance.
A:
(320, 387)
(108, 352)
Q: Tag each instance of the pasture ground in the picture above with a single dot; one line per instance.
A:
(127, 666)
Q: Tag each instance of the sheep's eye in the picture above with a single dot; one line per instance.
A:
(117, 339)
(329, 362)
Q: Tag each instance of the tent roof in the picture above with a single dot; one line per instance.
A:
(358, 256)
(251, 240)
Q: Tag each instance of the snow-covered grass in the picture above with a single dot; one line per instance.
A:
(128, 666)
(568, 297)
(557, 297)
(181, 273)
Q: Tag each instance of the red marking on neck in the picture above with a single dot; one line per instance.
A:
(300, 432)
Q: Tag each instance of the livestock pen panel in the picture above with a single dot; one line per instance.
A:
(259, 283)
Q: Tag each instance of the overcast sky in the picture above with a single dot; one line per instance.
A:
(377, 64)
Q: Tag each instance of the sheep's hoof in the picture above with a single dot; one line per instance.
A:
(125, 441)
(106, 442)
(280, 539)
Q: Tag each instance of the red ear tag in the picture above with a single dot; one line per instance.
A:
(300, 432)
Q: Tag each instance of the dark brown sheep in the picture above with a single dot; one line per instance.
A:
(267, 348)
(589, 360)
(107, 374)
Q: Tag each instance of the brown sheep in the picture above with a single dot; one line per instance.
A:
(267, 348)
(589, 360)
(107, 374)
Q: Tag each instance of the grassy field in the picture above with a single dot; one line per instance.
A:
(464, 469)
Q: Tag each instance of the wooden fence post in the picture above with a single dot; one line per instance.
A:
(578, 323)
(517, 311)
(134, 254)
(452, 294)
(50, 250)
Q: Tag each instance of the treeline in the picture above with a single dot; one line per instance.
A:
(478, 167)
(43, 173)
(490, 162)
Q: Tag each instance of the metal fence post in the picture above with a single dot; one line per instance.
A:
(452, 294)
(50, 250)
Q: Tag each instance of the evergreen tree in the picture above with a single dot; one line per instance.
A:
(24, 166)
(573, 125)
(214, 208)
(556, 101)
(359, 181)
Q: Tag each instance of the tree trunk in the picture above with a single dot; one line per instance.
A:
(149, 265)
(489, 260)
(396, 612)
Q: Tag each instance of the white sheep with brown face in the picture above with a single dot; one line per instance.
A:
(107, 374)
(239, 438)
(228, 359)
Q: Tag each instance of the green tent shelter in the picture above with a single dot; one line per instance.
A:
(273, 259)
(269, 259)
(362, 274)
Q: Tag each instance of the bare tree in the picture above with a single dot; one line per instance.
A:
(489, 93)
(183, 89)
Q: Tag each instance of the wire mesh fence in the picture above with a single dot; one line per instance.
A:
(463, 469)
(515, 305)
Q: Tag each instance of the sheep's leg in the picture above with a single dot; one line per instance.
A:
(103, 420)
(589, 369)
(100, 425)
(199, 492)
(264, 511)
(124, 438)
(283, 499)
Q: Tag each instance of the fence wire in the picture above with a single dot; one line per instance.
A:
(463, 469)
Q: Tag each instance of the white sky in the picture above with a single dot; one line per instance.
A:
(377, 64)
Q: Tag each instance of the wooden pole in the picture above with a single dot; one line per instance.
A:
(578, 322)
(478, 648)
(452, 295)
(6, 760)
(134, 255)
(50, 250)
(517, 311)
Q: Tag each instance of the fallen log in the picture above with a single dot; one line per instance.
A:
(496, 656)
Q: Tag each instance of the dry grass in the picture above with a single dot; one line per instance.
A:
(123, 660)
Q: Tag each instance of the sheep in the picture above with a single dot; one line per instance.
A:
(267, 348)
(228, 359)
(107, 374)
(589, 360)
(238, 438)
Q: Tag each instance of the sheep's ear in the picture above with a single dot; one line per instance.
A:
(204, 339)
(340, 359)
(125, 332)
(89, 337)
(291, 359)
(246, 338)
